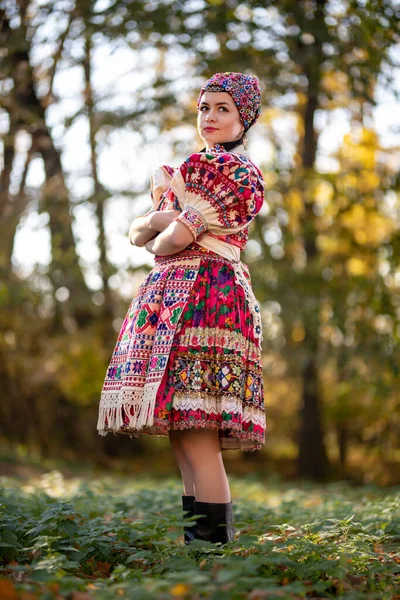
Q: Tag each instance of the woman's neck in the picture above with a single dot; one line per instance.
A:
(228, 146)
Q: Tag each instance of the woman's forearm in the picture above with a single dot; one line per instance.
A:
(142, 230)
(172, 240)
(149, 226)
(162, 245)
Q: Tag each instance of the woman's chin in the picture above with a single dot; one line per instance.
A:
(210, 139)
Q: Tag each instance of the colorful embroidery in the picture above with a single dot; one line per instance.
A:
(214, 377)
(168, 201)
(143, 346)
(193, 220)
(188, 354)
(200, 367)
(227, 190)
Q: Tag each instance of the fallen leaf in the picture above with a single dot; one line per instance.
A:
(180, 589)
(103, 568)
(7, 590)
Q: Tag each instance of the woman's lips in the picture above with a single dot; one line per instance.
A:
(210, 129)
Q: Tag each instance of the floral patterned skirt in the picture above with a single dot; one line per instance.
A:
(212, 375)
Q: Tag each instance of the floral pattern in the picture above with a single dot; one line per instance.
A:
(224, 192)
(188, 354)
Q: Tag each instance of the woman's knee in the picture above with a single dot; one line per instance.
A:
(199, 445)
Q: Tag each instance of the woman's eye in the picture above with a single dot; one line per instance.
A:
(206, 107)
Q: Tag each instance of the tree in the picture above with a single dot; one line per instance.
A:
(27, 113)
(301, 51)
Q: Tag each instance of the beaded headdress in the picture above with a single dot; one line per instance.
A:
(245, 92)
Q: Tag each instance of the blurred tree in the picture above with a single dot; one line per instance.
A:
(323, 250)
(311, 57)
(27, 113)
(100, 194)
(358, 228)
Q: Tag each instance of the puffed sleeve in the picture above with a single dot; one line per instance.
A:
(218, 193)
(160, 181)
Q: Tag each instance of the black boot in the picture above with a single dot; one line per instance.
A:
(187, 506)
(217, 524)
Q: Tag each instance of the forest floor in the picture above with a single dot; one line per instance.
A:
(109, 536)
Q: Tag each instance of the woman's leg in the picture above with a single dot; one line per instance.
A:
(199, 456)
(201, 452)
(183, 464)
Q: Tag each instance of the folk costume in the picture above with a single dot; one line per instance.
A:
(188, 354)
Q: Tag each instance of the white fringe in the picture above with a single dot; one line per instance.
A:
(112, 406)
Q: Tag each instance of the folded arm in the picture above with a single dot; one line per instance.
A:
(173, 239)
(147, 227)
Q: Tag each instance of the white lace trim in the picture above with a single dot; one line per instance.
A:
(252, 414)
(217, 404)
(209, 404)
(217, 337)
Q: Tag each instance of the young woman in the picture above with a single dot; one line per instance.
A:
(187, 362)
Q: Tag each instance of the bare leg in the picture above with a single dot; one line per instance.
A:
(202, 451)
(183, 464)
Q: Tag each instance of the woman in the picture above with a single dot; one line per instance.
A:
(187, 362)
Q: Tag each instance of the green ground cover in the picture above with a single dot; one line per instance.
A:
(109, 537)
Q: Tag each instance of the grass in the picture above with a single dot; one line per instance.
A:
(109, 537)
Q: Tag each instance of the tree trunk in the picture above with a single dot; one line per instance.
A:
(8, 217)
(29, 115)
(313, 461)
(99, 197)
(342, 433)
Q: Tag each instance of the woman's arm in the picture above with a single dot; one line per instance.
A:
(147, 227)
(173, 239)
(141, 230)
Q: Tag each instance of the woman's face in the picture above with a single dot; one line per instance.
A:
(218, 119)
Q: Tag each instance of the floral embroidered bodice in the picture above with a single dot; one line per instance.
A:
(218, 193)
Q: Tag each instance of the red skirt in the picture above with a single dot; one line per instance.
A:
(208, 335)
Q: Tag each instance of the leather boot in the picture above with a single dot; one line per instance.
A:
(217, 524)
(187, 506)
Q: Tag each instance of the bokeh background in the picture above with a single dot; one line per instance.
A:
(94, 96)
